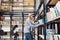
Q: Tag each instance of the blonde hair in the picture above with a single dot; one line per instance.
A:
(29, 16)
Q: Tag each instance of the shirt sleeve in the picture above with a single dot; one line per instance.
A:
(32, 24)
(36, 25)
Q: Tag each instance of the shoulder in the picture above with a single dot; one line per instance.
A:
(27, 20)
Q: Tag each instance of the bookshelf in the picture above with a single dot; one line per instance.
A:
(52, 14)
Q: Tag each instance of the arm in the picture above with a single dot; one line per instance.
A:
(32, 24)
(36, 25)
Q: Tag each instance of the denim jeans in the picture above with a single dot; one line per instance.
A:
(28, 36)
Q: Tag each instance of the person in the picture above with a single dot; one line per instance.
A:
(14, 33)
(2, 31)
(28, 25)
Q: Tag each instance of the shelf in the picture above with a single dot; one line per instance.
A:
(6, 2)
(7, 25)
(22, 6)
(53, 2)
(42, 25)
(53, 19)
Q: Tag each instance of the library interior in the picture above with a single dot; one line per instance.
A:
(18, 19)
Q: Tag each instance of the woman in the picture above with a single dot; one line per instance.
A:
(28, 24)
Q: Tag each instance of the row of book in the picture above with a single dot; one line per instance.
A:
(10, 8)
(16, 5)
(54, 12)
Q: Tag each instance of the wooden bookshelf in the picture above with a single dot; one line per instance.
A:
(53, 2)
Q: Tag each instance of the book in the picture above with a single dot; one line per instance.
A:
(56, 11)
(53, 12)
(41, 21)
(58, 7)
(49, 15)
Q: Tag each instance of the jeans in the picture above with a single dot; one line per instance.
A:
(28, 36)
